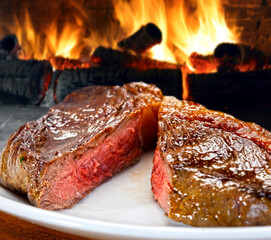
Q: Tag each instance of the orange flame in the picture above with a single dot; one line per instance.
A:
(184, 31)
(185, 28)
(199, 31)
(133, 14)
(67, 42)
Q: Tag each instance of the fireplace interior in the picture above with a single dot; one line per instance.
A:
(50, 48)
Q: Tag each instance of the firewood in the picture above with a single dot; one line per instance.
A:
(245, 95)
(61, 63)
(9, 47)
(230, 89)
(142, 40)
(239, 57)
(202, 63)
(106, 56)
(24, 81)
(65, 82)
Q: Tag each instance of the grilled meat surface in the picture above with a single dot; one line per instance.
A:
(211, 169)
(83, 141)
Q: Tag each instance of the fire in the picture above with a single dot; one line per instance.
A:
(133, 14)
(195, 26)
(200, 30)
(184, 30)
(52, 41)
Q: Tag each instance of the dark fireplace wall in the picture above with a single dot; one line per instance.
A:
(251, 16)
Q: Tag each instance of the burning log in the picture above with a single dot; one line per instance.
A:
(245, 95)
(61, 63)
(65, 82)
(24, 82)
(9, 47)
(229, 57)
(216, 90)
(142, 40)
(202, 63)
(106, 56)
(239, 57)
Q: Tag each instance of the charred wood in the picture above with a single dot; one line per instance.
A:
(168, 80)
(217, 90)
(24, 81)
(245, 95)
(239, 57)
(106, 56)
(142, 40)
(9, 47)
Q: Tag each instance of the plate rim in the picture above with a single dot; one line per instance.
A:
(96, 228)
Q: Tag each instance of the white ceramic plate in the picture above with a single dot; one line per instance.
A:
(122, 208)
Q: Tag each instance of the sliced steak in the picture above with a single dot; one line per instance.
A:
(211, 169)
(83, 141)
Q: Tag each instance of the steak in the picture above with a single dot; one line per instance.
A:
(211, 169)
(80, 143)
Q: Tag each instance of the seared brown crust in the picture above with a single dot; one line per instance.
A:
(35, 152)
(219, 166)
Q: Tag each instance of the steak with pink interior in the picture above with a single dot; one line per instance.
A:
(211, 169)
(83, 141)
